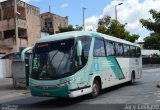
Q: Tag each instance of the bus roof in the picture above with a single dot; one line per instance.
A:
(74, 34)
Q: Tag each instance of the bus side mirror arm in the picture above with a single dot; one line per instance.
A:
(79, 48)
(79, 51)
(24, 52)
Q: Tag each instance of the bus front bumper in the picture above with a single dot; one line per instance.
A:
(79, 92)
(59, 92)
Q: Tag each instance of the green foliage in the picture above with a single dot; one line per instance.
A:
(66, 29)
(70, 28)
(155, 55)
(153, 41)
(78, 28)
(152, 25)
(133, 37)
(109, 26)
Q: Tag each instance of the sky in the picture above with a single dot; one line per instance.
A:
(128, 13)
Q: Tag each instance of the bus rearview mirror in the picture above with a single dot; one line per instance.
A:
(79, 48)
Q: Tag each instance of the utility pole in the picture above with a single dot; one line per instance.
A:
(83, 18)
(49, 8)
(16, 24)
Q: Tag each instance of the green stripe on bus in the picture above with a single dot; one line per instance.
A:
(116, 68)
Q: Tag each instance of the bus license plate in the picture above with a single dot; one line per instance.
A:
(46, 94)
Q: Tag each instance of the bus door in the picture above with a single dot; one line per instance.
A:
(99, 56)
(86, 43)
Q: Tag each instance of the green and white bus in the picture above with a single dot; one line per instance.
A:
(76, 63)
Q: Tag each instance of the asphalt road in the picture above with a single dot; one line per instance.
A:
(141, 95)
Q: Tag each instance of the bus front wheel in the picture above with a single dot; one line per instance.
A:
(95, 89)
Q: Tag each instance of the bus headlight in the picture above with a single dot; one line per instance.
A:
(66, 83)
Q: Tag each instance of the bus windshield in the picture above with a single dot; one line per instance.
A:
(52, 60)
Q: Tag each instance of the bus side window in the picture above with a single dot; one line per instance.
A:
(110, 49)
(119, 49)
(126, 50)
(86, 42)
(138, 51)
(99, 50)
(133, 51)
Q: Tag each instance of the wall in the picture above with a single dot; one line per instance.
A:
(28, 23)
(33, 26)
(2, 69)
(56, 20)
(59, 22)
(5, 68)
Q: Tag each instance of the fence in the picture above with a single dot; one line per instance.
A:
(151, 60)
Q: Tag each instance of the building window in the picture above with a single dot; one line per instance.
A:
(1, 37)
(50, 24)
(9, 34)
(45, 23)
(0, 14)
(99, 50)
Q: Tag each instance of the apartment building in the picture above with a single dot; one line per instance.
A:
(50, 22)
(28, 26)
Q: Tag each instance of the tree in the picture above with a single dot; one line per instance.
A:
(152, 25)
(78, 28)
(66, 29)
(152, 41)
(109, 26)
(70, 28)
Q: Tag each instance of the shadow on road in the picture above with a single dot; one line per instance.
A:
(114, 88)
(61, 102)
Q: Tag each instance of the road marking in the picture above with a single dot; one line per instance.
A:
(157, 100)
(146, 96)
(145, 103)
(156, 93)
(12, 95)
(151, 70)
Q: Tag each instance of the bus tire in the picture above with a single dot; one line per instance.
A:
(132, 81)
(95, 89)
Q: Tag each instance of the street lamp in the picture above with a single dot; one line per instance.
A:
(83, 18)
(116, 10)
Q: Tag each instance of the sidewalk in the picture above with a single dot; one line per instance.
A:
(7, 90)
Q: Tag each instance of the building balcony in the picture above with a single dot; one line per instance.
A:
(48, 30)
(9, 24)
(22, 23)
(7, 29)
